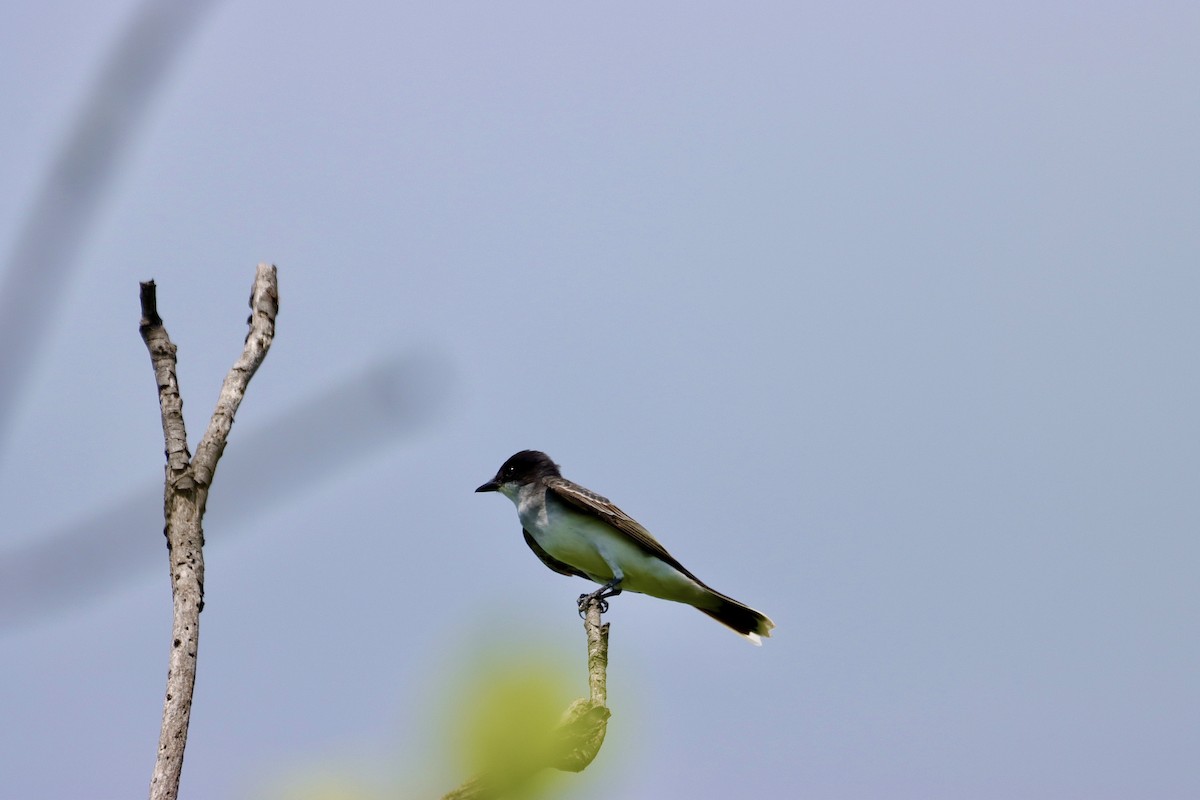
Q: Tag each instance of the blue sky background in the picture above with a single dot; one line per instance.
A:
(882, 317)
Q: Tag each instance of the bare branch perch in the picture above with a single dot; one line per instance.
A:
(184, 497)
(581, 729)
(580, 732)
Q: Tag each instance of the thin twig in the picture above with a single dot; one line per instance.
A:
(597, 654)
(264, 305)
(576, 740)
(184, 497)
(581, 730)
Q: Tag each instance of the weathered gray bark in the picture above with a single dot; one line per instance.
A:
(579, 734)
(184, 497)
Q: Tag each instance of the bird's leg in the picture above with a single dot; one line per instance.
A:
(610, 589)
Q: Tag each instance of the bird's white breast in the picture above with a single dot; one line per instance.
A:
(598, 549)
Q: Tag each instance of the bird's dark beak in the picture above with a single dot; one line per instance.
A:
(490, 486)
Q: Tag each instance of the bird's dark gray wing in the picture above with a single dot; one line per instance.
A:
(549, 560)
(589, 502)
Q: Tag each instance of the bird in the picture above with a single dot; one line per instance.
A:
(575, 531)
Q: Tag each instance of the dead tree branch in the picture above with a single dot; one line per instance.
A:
(185, 495)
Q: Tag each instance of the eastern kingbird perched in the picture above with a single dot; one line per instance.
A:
(575, 531)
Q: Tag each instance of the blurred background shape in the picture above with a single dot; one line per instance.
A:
(366, 411)
(45, 250)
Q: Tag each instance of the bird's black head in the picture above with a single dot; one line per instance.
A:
(524, 467)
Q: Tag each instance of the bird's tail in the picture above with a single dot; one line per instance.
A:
(742, 619)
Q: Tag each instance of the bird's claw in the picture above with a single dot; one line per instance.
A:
(584, 599)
